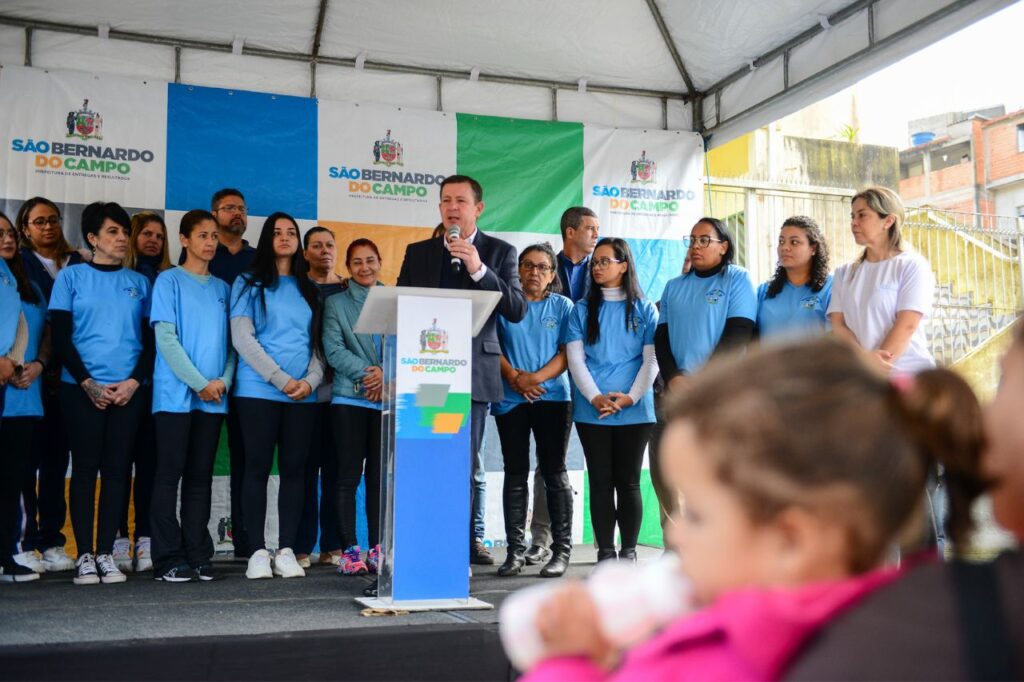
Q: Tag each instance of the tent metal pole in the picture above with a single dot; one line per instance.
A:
(28, 46)
(177, 63)
(554, 104)
(670, 44)
(664, 114)
(440, 102)
(903, 33)
(348, 62)
(318, 32)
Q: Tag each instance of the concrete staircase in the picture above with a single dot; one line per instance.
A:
(957, 326)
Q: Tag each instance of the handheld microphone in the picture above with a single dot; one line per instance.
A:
(453, 233)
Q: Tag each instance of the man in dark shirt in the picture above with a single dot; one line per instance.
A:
(580, 229)
(233, 257)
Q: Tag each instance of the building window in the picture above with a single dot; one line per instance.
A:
(1020, 211)
(1020, 138)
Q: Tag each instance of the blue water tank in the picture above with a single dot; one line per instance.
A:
(921, 138)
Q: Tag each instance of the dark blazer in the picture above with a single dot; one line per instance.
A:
(422, 268)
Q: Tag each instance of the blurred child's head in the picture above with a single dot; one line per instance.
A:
(1004, 459)
(801, 463)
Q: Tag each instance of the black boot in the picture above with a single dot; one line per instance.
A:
(559, 496)
(515, 497)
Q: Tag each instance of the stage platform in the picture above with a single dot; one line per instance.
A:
(234, 629)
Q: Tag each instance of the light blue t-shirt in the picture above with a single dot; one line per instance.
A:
(10, 306)
(28, 402)
(199, 312)
(793, 313)
(696, 308)
(283, 331)
(615, 360)
(531, 343)
(107, 309)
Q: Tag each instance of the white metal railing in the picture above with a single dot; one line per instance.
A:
(977, 259)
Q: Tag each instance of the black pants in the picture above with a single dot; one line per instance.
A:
(15, 468)
(46, 508)
(144, 459)
(357, 445)
(236, 449)
(551, 423)
(289, 426)
(614, 456)
(320, 513)
(101, 442)
(186, 448)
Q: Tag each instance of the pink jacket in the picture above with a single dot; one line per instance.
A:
(746, 635)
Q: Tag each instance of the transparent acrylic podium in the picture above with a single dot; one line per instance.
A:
(425, 443)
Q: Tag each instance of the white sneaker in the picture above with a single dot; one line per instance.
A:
(259, 565)
(85, 570)
(108, 570)
(55, 559)
(286, 566)
(143, 555)
(122, 554)
(29, 560)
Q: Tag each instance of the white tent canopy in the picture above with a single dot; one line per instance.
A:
(722, 67)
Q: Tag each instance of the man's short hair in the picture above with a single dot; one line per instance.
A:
(478, 191)
(573, 216)
(221, 193)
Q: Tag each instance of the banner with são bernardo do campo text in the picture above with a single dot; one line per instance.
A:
(362, 170)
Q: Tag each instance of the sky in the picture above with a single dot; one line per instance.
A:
(978, 67)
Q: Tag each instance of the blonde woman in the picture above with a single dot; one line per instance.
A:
(881, 300)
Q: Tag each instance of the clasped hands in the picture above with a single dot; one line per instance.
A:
(103, 396)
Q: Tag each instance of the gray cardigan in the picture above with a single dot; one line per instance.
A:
(347, 352)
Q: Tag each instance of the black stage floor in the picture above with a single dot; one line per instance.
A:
(234, 628)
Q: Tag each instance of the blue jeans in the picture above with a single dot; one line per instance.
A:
(479, 481)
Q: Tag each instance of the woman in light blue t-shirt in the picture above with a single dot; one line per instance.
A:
(610, 348)
(194, 368)
(793, 303)
(533, 365)
(275, 327)
(99, 313)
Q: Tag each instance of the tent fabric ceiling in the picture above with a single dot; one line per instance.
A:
(615, 45)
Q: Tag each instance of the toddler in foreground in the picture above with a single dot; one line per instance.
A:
(797, 467)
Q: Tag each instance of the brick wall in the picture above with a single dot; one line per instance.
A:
(1004, 160)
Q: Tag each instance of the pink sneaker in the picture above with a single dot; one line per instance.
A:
(351, 563)
(373, 559)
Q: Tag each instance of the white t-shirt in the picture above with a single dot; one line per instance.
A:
(870, 298)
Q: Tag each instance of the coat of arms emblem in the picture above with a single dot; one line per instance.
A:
(85, 123)
(643, 170)
(387, 151)
(434, 340)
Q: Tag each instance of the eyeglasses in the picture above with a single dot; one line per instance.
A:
(542, 268)
(603, 262)
(234, 208)
(53, 221)
(4, 234)
(701, 242)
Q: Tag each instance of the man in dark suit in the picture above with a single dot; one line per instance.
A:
(487, 264)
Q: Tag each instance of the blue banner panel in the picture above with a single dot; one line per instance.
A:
(264, 145)
(657, 261)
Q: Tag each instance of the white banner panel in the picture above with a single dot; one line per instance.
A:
(80, 139)
(382, 165)
(643, 184)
